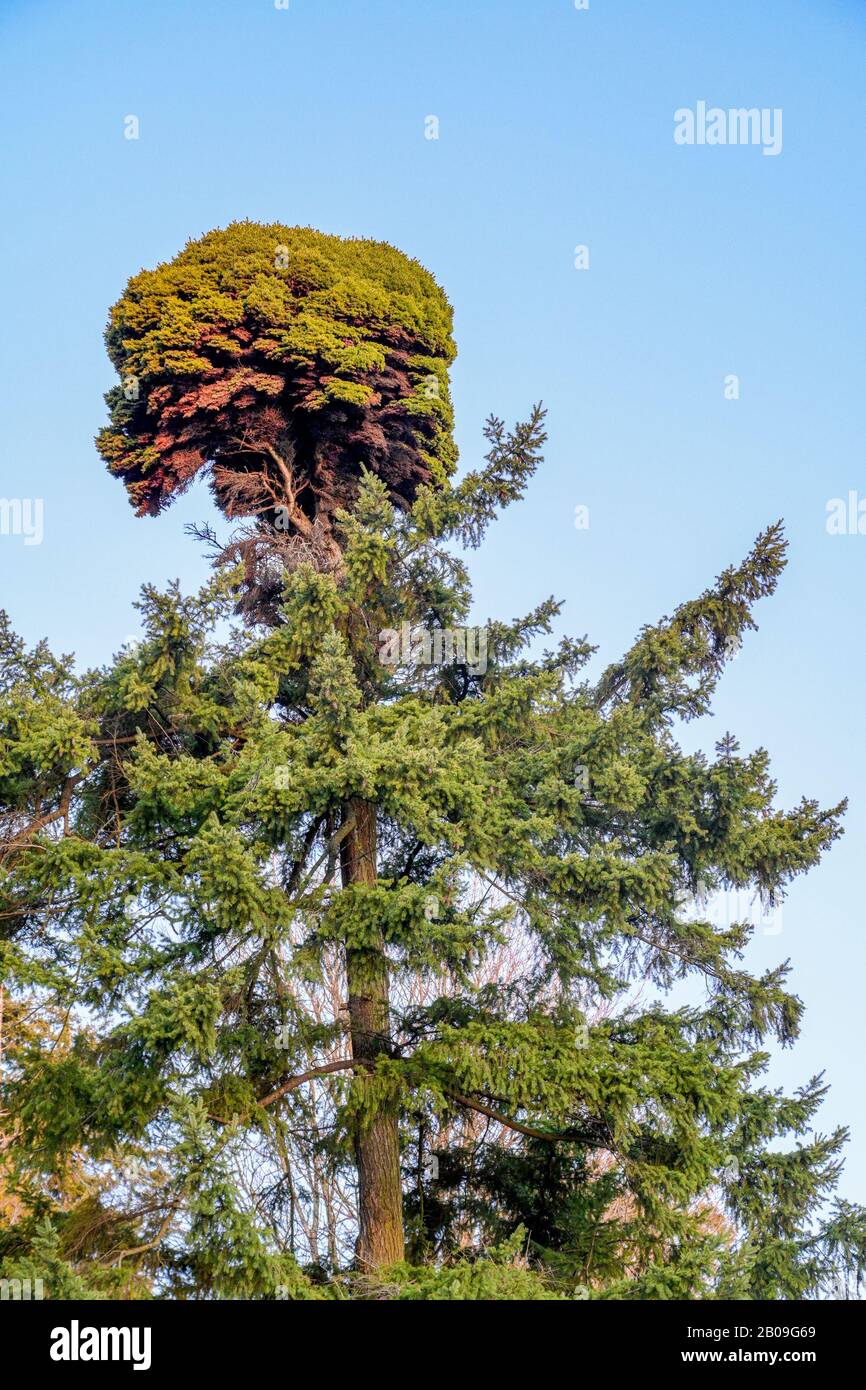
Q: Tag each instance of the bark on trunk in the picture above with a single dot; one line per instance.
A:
(377, 1144)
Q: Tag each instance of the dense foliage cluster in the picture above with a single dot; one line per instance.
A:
(284, 360)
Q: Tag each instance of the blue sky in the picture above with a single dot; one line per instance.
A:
(555, 129)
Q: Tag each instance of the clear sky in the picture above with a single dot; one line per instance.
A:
(556, 129)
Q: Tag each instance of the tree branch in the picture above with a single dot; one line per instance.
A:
(295, 1081)
(471, 1103)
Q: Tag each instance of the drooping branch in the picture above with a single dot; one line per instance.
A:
(473, 1103)
(549, 1136)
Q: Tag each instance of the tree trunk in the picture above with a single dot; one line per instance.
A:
(377, 1143)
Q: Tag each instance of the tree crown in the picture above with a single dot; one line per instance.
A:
(285, 360)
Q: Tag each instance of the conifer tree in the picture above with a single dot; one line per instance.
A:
(196, 829)
(286, 362)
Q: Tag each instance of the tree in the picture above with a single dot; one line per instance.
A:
(213, 820)
(286, 361)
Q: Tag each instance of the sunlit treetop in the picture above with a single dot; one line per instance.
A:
(282, 361)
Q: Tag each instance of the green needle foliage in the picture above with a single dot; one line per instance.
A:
(170, 888)
(301, 905)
